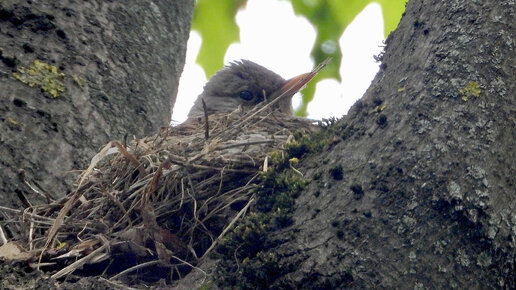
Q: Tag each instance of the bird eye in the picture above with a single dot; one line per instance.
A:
(246, 95)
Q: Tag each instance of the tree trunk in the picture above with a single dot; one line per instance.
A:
(108, 70)
(417, 191)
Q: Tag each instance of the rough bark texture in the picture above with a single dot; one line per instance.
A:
(419, 191)
(121, 62)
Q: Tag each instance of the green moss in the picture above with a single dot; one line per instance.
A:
(278, 159)
(246, 238)
(304, 144)
(261, 270)
(248, 260)
(43, 75)
(472, 89)
(297, 149)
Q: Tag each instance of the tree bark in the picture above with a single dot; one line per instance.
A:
(119, 64)
(424, 197)
(415, 191)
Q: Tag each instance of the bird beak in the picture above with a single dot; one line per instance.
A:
(297, 83)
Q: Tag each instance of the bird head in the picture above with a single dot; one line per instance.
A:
(246, 84)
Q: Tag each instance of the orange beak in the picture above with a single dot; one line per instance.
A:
(297, 83)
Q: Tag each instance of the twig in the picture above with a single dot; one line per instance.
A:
(247, 143)
(58, 223)
(198, 166)
(3, 239)
(117, 285)
(196, 268)
(139, 266)
(206, 123)
(79, 263)
(226, 229)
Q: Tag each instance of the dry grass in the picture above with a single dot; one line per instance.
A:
(162, 201)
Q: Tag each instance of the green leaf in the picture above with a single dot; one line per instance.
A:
(215, 21)
(392, 10)
(330, 19)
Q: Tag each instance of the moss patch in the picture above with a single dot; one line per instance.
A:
(248, 260)
(43, 75)
(472, 89)
(303, 144)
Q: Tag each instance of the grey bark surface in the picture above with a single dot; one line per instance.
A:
(129, 54)
(424, 196)
(427, 198)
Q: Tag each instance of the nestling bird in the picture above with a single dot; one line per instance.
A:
(245, 84)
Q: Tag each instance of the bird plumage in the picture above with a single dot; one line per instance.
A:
(241, 84)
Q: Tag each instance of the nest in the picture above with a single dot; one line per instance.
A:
(154, 208)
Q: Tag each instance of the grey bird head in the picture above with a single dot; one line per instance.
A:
(245, 83)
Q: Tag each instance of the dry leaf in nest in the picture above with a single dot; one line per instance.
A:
(14, 251)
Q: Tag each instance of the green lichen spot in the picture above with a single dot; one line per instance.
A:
(472, 89)
(12, 121)
(379, 108)
(43, 75)
(80, 82)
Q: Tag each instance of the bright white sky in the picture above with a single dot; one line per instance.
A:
(283, 43)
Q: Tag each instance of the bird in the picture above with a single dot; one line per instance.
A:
(244, 84)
